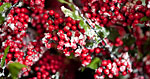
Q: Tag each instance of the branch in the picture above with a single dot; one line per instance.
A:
(86, 21)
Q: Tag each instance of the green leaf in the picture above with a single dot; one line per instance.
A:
(1, 19)
(71, 56)
(70, 4)
(89, 44)
(4, 57)
(113, 34)
(132, 52)
(76, 16)
(141, 25)
(14, 69)
(64, 2)
(4, 7)
(95, 63)
(70, 0)
(83, 25)
(128, 41)
(145, 18)
(69, 13)
(146, 46)
(121, 77)
(103, 32)
(140, 56)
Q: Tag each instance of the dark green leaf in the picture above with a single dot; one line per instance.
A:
(71, 56)
(132, 52)
(89, 43)
(113, 34)
(1, 19)
(146, 46)
(140, 56)
(14, 69)
(95, 63)
(4, 57)
(121, 77)
(141, 25)
(103, 32)
(128, 41)
(144, 18)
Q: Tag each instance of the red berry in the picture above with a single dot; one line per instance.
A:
(97, 50)
(104, 62)
(45, 16)
(148, 13)
(51, 12)
(106, 71)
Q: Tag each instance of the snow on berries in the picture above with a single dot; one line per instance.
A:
(52, 45)
(119, 66)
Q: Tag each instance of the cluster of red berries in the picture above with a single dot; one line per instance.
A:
(48, 65)
(110, 68)
(10, 1)
(67, 37)
(70, 38)
(45, 21)
(35, 3)
(15, 33)
(25, 46)
(23, 53)
(16, 24)
(111, 14)
(126, 17)
(30, 3)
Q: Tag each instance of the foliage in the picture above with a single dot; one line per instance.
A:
(4, 57)
(95, 63)
(15, 68)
